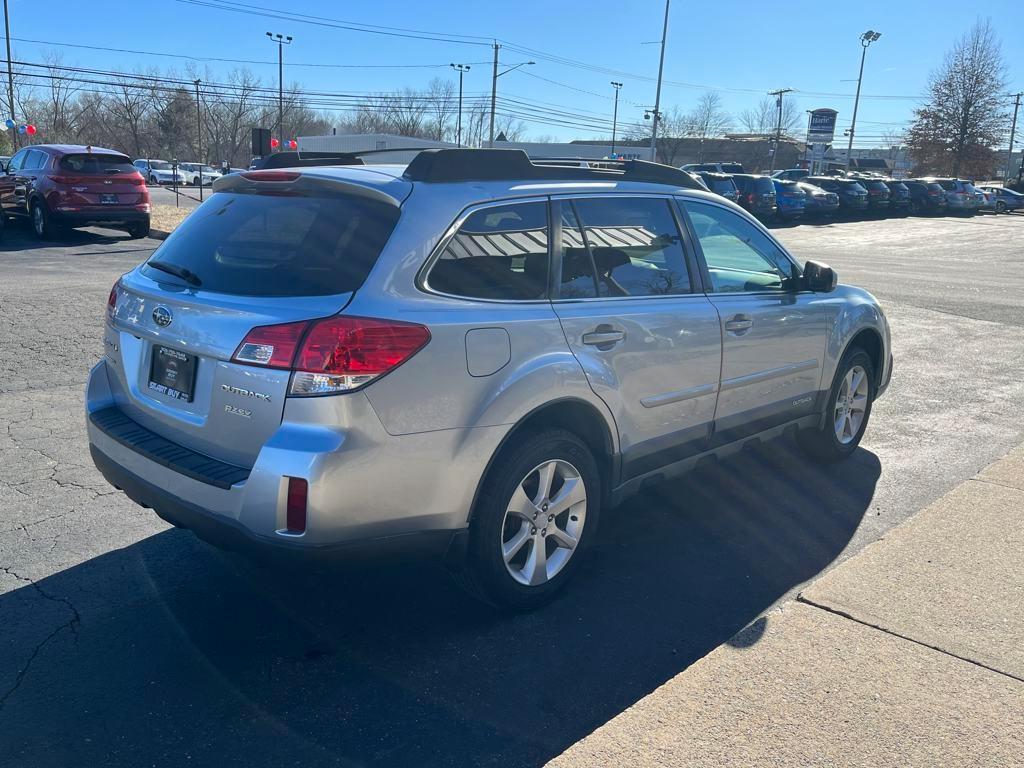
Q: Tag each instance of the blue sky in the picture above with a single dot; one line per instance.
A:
(740, 48)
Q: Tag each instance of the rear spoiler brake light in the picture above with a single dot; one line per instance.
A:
(278, 176)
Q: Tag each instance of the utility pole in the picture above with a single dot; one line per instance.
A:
(494, 93)
(865, 40)
(282, 41)
(615, 114)
(10, 78)
(462, 69)
(199, 139)
(1013, 133)
(657, 95)
(778, 127)
(494, 86)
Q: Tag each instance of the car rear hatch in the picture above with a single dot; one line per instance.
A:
(87, 180)
(269, 251)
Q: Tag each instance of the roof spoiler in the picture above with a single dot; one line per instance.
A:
(454, 165)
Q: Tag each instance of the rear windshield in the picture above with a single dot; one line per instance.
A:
(269, 245)
(722, 186)
(763, 184)
(949, 185)
(94, 163)
(731, 168)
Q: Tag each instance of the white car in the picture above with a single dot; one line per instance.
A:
(159, 172)
(197, 173)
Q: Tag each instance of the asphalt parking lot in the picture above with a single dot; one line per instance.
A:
(125, 642)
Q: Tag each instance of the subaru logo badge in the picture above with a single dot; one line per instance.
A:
(162, 316)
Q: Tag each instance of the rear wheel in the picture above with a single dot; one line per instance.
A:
(847, 412)
(536, 515)
(138, 229)
(1000, 206)
(42, 222)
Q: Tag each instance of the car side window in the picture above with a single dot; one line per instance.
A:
(739, 257)
(635, 246)
(578, 281)
(17, 161)
(499, 253)
(36, 160)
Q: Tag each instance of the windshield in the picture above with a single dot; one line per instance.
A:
(270, 245)
(160, 166)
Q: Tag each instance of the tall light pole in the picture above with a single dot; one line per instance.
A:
(1013, 134)
(778, 128)
(282, 41)
(657, 94)
(199, 139)
(494, 87)
(615, 114)
(10, 77)
(865, 40)
(462, 69)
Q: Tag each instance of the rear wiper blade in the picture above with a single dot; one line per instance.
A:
(187, 275)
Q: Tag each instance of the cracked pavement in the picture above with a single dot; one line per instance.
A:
(126, 642)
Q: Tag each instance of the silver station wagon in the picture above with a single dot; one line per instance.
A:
(471, 355)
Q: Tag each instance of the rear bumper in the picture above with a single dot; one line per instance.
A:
(366, 487)
(87, 216)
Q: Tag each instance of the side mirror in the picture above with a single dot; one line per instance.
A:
(820, 278)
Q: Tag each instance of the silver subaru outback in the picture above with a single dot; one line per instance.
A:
(470, 356)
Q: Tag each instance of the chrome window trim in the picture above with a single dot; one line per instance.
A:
(422, 276)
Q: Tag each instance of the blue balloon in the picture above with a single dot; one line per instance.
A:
(10, 123)
(21, 129)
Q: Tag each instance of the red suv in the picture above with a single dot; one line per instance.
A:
(62, 185)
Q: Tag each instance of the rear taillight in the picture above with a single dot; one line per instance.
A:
(750, 198)
(343, 353)
(271, 346)
(336, 354)
(112, 298)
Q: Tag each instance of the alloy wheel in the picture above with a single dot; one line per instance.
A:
(1000, 206)
(543, 522)
(851, 405)
(38, 221)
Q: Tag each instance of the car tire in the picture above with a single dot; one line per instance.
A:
(846, 415)
(1000, 206)
(915, 208)
(513, 521)
(42, 221)
(138, 229)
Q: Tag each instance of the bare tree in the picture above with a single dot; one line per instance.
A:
(966, 116)
(764, 118)
(709, 118)
(675, 128)
(442, 106)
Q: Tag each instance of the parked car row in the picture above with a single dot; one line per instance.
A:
(161, 172)
(791, 194)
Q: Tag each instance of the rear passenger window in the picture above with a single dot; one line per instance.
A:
(499, 253)
(635, 246)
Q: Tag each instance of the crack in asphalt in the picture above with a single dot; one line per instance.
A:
(72, 623)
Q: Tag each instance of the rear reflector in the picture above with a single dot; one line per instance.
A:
(295, 516)
(272, 346)
(112, 298)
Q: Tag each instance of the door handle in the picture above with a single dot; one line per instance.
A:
(603, 337)
(739, 323)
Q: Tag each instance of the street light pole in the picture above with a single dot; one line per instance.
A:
(282, 41)
(865, 40)
(10, 77)
(615, 114)
(657, 95)
(199, 139)
(494, 87)
(1013, 134)
(462, 69)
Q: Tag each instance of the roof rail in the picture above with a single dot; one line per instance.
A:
(305, 160)
(453, 165)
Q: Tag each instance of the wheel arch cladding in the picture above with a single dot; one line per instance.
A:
(870, 341)
(573, 415)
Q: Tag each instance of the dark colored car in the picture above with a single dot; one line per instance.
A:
(790, 199)
(721, 184)
(899, 200)
(879, 196)
(757, 194)
(818, 202)
(62, 185)
(926, 197)
(853, 198)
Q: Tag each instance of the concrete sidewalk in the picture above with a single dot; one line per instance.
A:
(911, 653)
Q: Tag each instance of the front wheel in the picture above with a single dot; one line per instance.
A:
(42, 222)
(535, 517)
(847, 412)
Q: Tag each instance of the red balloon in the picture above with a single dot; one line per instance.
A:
(30, 130)
(274, 143)
(293, 144)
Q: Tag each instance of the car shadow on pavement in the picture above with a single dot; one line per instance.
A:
(168, 651)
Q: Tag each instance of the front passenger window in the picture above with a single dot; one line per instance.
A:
(739, 256)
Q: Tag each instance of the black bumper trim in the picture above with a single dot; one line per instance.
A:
(113, 422)
(226, 533)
